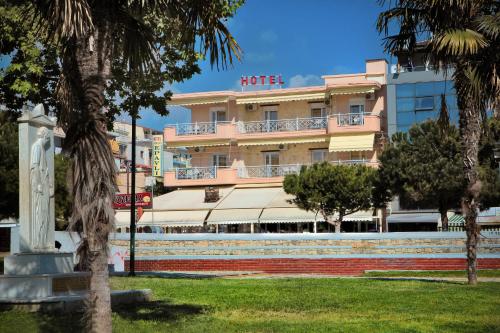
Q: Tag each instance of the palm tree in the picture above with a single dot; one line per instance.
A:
(463, 34)
(89, 35)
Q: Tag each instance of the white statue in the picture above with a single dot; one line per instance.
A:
(42, 189)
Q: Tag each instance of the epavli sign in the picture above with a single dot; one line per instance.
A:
(262, 80)
(157, 155)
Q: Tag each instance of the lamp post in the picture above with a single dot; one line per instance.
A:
(132, 201)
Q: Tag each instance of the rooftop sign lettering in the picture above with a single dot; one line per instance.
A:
(262, 80)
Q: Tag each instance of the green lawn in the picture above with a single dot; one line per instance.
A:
(291, 305)
(486, 273)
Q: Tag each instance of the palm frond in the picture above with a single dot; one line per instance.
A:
(489, 24)
(458, 42)
(62, 19)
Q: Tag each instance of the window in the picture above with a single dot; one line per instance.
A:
(405, 90)
(424, 103)
(318, 110)
(123, 150)
(219, 160)
(142, 154)
(319, 155)
(357, 156)
(218, 115)
(358, 108)
(425, 89)
(272, 158)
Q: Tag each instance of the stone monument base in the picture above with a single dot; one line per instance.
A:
(34, 275)
(38, 263)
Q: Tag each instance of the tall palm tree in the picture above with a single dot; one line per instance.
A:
(89, 35)
(463, 34)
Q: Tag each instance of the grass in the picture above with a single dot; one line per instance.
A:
(486, 273)
(290, 305)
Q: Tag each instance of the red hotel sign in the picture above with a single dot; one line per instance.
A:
(272, 80)
(143, 199)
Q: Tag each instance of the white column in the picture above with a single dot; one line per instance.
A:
(251, 228)
(315, 227)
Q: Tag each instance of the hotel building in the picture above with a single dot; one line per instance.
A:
(243, 143)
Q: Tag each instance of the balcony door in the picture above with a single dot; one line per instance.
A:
(270, 117)
(218, 116)
(219, 160)
(271, 162)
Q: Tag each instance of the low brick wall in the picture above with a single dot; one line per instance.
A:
(350, 254)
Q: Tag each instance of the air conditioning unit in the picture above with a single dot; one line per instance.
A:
(251, 107)
(370, 97)
(283, 146)
(199, 149)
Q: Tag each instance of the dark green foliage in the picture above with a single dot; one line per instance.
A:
(61, 194)
(9, 167)
(425, 166)
(333, 191)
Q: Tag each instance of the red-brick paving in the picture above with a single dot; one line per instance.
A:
(331, 266)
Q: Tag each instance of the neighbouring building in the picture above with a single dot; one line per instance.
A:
(242, 144)
(414, 90)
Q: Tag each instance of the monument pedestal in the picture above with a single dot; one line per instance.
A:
(29, 275)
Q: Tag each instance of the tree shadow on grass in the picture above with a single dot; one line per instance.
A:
(428, 280)
(158, 311)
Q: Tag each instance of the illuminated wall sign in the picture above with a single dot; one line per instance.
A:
(157, 155)
(142, 199)
(262, 80)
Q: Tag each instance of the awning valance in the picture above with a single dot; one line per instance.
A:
(198, 101)
(288, 215)
(281, 141)
(352, 142)
(281, 98)
(352, 90)
(413, 218)
(174, 218)
(234, 216)
(203, 143)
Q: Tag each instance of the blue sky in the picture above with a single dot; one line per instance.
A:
(301, 40)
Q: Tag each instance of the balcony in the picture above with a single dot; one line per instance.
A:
(271, 129)
(282, 125)
(353, 122)
(206, 176)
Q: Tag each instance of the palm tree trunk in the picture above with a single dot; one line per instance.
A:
(470, 128)
(86, 64)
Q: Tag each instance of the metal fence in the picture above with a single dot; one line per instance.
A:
(461, 227)
(195, 128)
(196, 173)
(351, 119)
(268, 171)
(282, 125)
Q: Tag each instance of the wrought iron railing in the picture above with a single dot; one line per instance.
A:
(350, 119)
(196, 173)
(196, 128)
(268, 171)
(282, 125)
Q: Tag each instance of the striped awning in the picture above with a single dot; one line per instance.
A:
(281, 141)
(173, 218)
(287, 215)
(198, 101)
(352, 142)
(319, 96)
(234, 216)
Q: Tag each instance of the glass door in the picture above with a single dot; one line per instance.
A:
(218, 116)
(270, 118)
(272, 164)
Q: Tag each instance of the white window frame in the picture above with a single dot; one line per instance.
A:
(270, 153)
(214, 111)
(216, 160)
(269, 108)
(357, 102)
(316, 106)
(324, 151)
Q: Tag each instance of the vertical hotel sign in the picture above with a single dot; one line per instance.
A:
(157, 155)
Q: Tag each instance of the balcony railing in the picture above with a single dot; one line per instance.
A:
(268, 171)
(196, 128)
(282, 125)
(196, 173)
(350, 119)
